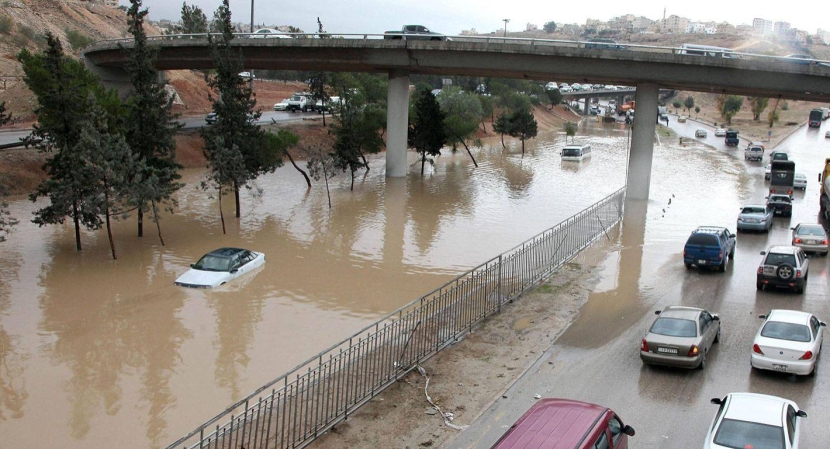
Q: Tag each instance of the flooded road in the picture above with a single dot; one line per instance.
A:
(597, 360)
(96, 353)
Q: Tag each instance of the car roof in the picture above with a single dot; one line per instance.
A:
(762, 206)
(782, 249)
(552, 424)
(789, 316)
(801, 225)
(708, 230)
(226, 252)
(686, 313)
(760, 408)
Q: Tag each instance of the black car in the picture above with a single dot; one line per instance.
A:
(781, 204)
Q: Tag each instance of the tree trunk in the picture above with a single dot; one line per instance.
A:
(307, 180)
(423, 161)
(365, 164)
(483, 126)
(236, 198)
(158, 225)
(324, 118)
(221, 214)
(141, 220)
(326, 177)
(77, 225)
(109, 229)
(352, 186)
(523, 147)
(503, 147)
(467, 148)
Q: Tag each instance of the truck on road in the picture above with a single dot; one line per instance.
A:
(782, 177)
(824, 199)
(731, 138)
(300, 101)
(816, 117)
(625, 107)
(414, 32)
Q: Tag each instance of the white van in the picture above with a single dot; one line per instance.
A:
(575, 152)
(706, 50)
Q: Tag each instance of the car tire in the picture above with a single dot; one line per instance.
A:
(702, 365)
(688, 265)
(732, 255)
(717, 336)
(824, 253)
(722, 266)
(785, 271)
(759, 286)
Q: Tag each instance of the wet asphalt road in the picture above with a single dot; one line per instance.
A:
(596, 359)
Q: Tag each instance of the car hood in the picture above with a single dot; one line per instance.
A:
(200, 278)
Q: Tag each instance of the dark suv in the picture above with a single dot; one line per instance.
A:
(709, 246)
(781, 204)
(783, 266)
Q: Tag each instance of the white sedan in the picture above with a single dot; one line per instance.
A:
(220, 266)
(789, 341)
(720, 132)
(750, 420)
(800, 181)
(266, 33)
(282, 105)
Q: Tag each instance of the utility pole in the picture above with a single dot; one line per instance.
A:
(505, 26)
(252, 30)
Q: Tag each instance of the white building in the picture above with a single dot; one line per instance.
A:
(531, 27)
(824, 35)
(674, 24)
(762, 27)
(781, 28)
(702, 28)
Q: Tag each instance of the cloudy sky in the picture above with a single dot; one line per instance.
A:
(452, 16)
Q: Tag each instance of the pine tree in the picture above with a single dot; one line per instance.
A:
(194, 20)
(346, 152)
(150, 128)
(523, 125)
(427, 134)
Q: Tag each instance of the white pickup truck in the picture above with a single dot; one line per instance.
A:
(300, 101)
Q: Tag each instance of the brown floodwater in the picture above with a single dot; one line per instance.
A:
(101, 353)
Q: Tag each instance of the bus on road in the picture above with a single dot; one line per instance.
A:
(816, 116)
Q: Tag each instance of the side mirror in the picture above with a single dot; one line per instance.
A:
(732, 235)
(792, 229)
(763, 253)
(822, 323)
(628, 430)
(193, 265)
(801, 414)
(762, 316)
(234, 271)
(657, 312)
(716, 401)
(716, 317)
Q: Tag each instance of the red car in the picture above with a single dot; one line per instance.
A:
(566, 424)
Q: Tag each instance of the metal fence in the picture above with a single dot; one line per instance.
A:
(299, 406)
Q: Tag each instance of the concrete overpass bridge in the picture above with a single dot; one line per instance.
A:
(647, 68)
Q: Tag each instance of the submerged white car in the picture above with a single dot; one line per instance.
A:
(220, 266)
(749, 420)
(789, 341)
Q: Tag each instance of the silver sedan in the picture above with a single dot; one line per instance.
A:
(789, 341)
(810, 237)
(755, 217)
(680, 336)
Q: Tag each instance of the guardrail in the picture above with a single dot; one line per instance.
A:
(619, 47)
(308, 400)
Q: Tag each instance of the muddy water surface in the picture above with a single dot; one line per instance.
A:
(96, 353)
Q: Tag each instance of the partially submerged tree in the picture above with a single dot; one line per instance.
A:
(502, 126)
(6, 220)
(462, 115)
(150, 128)
(758, 104)
(426, 133)
(570, 131)
(731, 105)
(486, 110)
(321, 165)
(523, 126)
(66, 95)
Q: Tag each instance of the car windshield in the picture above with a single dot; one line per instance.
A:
(210, 262)
(780, 199)
(674, 327)
(778, 259)
(786, 331)
(571, 152)
(817, 231)
(742, 434)
(702, 239)
(753, 210)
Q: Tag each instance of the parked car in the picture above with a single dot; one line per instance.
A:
(246, 75)
(709, 246)
(576, 87)
(566, 424)
(700, 133)
(755, 217)
(609, 87)
(211, 118)
(282, 105)
(220, 266)
(778, 156)
(751, 420)
(680, 336)
(754, 153)
(827, 135)
(681, 119)
(781, 204)
(565, 89)
(783, 266)
(268, 33)
(789, 341)
(720, 132)
(767, 171)
(800, 181)
(811, 237)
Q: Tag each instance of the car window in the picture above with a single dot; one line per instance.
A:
(720, 412)
(702, 239)
(778, 259)
(786, 331)
(674, 327)
(814, 322)
(602, 442)
(213, 263)
(817, 231)
(703, 324)
(616, 428)
(791, 423)
(744, 434)
(753, 210)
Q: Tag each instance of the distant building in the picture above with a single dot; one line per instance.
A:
(531, 27)
(702, 28)
(762, 27)
(674, 24)
(781, 28)
(470, 32)
(824, 36)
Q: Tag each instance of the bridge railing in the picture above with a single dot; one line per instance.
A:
(487, 39)
(294, 409)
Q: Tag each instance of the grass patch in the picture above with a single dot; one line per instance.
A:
(77, 39)
(6, 24)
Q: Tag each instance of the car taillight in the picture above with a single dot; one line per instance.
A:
(720, 254)
(807, 355)
(760, 270)
(798, 273)
(693, 351)
(757, 349)
(797, 241)
(644, 346)
(824, 242)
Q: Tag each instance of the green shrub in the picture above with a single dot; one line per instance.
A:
(28, 33)
(6, 24)
(785, 106)
(77, 39)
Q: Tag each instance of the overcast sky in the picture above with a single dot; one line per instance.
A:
(452, 16)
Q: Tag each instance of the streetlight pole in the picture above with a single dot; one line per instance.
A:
(252, 30)
(505, 25)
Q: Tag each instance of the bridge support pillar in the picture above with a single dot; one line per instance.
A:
(111, 77)
(587, 108)
(642, 142)
(397, 124)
